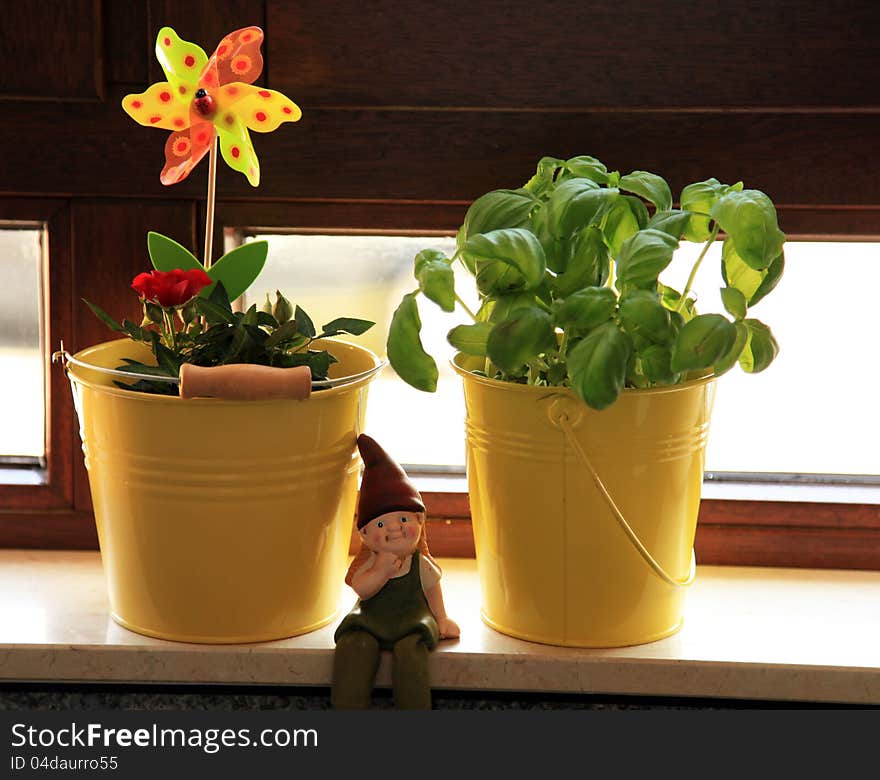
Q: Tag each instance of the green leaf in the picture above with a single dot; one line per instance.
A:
(506, 260)
(576, 204)
(289, 330)
(587, 167)
(218, 296)
(213, 312)
(673, 222)
(588, 265)
(471, 339)
(350, 325)
(500, 307)
(436, 279)
(772, 275)
(238, 269)
(167, 255)
(734, 301)
(545, 177)
(167, 360)
(749, 219)
(496, 210)
(655, 362)
(698, 199)
(644, 256)
(585, 309)
(104, 317)
(405, 351)
(729, 360)
(702, 342)
(760, 350)
(621, 223)
(649, 186)
(520, 339)
(304, 323)
(597, 365)
(642, 314)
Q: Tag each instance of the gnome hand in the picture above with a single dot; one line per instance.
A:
(448, 628)
(388, 563)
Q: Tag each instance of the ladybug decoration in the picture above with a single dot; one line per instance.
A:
(204, 103)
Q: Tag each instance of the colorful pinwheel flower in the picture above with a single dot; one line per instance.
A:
(207, 98)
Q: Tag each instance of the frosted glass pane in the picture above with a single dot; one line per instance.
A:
(812, 411)
(22, 424)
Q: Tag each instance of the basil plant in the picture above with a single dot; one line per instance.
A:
(567, 271)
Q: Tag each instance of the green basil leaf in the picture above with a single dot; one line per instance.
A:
(167, 255)
(760, 350)
(642, 314)
(702, 342)
(405, 351)
(772, 275)
(496, 210)
(304, 323)
(587, 167)
(471, 339)
(655, 362)
(729, 360)
(749, 219)
(622, 223)
(501, 307)
(350, 325)
(575, 204)
(673, 222)
(507, 260)
(239, 268)
(649, 186)
(734, 301)
(597, 365)
(699, 198)
(520, 339)
(436, 279)
(588, 265)
(644, 256)
(585, 309)
(545, 177)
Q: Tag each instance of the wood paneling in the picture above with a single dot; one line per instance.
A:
(109, 250)
(562, 54)
(128, 47)
(458, 155)
(52, 50)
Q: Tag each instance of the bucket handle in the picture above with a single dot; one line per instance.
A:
(559, 417)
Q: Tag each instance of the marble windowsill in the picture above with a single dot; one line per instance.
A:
(749, 633)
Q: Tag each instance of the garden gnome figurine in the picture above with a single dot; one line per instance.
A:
(401, 605)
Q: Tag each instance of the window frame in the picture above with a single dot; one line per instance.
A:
(43, 515)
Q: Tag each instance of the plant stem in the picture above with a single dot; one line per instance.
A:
(171, 340)
(209, 212)
(690, 281)
(465, 307)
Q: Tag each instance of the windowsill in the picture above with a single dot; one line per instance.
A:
(749, 633)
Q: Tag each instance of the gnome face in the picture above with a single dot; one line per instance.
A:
(395, 532)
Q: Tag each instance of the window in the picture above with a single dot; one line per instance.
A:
(23, 433)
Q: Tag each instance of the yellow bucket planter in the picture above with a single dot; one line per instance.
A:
(221, 521)
(584, 521)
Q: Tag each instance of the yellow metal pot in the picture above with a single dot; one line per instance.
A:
(584, 521)
(221, 521)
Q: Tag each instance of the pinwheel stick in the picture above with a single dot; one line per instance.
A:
(209, 213)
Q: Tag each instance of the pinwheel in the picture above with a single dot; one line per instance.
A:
(207, 99)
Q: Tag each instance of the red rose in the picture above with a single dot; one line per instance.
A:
(171, 288)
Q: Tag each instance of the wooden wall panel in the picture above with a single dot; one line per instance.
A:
(562, 54)
(455, 155)
(109, 250)
(52, 50)
(127, 43)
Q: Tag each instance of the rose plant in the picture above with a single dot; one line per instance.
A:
(567, 268)
(188, 318)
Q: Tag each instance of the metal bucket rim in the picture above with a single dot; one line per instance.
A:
(513, 387)
(331, 392)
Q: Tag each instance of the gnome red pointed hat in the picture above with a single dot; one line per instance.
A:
(385, 487)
